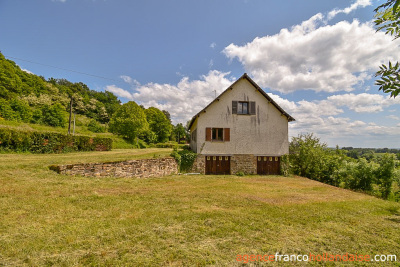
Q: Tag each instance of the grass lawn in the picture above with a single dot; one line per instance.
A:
(51, 219)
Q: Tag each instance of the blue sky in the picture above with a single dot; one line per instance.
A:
(316, 58)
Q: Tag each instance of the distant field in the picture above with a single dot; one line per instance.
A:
(51, 219)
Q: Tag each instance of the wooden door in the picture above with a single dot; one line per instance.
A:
(218, 165)
(267, 165)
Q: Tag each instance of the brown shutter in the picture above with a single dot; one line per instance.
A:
(252, 108)
(234, 107)
(208, 134)
(227, 134)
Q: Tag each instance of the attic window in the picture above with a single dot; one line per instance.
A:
(244, 107)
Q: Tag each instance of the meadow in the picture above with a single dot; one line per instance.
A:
(49, 219)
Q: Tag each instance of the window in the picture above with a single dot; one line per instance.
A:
(194, 135)
(243, 108)
(217, 134)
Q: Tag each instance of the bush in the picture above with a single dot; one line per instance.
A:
(96, 127)
(53, 115)
(187, 159)
(47, 142)
(385, 175)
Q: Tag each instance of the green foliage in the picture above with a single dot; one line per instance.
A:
(22, 109)
(54, 115)
(179, 133)
(47, 142)
(285, 165)
(388, 20)
(307, 156)
(184, 158)
(187, 159)
(385, 175)
(129, 121)
(158, 124)
(362, 176)
(96, 127)
(6, 112)
(390, 78)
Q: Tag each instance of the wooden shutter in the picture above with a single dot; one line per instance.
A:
(234, 107)
(208, 134)
(227, 134)
(252, 108)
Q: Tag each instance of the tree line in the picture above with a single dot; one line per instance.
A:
(309, 157)
(28, 98)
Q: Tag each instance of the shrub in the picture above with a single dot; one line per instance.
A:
(187, 159)
(53, 115)
(385, 175)
(48, 142)
(96, 127)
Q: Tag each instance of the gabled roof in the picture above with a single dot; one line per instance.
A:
(245, 76)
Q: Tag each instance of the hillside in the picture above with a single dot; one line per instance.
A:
(29, 98)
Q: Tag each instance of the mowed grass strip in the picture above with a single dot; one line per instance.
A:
(51, 219)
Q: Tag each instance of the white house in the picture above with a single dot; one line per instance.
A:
(242, 130)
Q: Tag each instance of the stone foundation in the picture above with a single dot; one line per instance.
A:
(239, 163)
(244, 163)
(199, 164)
(133, 168)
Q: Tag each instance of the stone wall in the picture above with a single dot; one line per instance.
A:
(199, 164)
(132, 168)
(244, 163)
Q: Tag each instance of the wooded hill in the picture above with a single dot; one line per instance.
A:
(26, 97)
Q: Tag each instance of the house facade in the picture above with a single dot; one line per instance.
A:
(242, 130)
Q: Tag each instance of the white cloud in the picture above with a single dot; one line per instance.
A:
(182, 100)
(129, 80)
(213, 45)
(27, 71)
(322, 117)
(393, 117)
(316, 56)
(347, 10)
(363, 103)
(119, 91)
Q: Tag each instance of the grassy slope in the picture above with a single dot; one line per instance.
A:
(49, 219)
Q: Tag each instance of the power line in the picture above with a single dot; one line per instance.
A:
(79, 72)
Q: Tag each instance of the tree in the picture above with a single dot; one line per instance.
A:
(385, 175)
(54, 115)
(179, 132)
(128, 121)
(388, 20)
(158, 123)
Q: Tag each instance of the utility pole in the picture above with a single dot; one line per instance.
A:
(74, 124)
(70, 115)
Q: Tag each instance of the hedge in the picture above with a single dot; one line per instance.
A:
(12, 140)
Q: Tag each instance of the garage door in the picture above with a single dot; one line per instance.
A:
(268, 165)
(218, 165)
